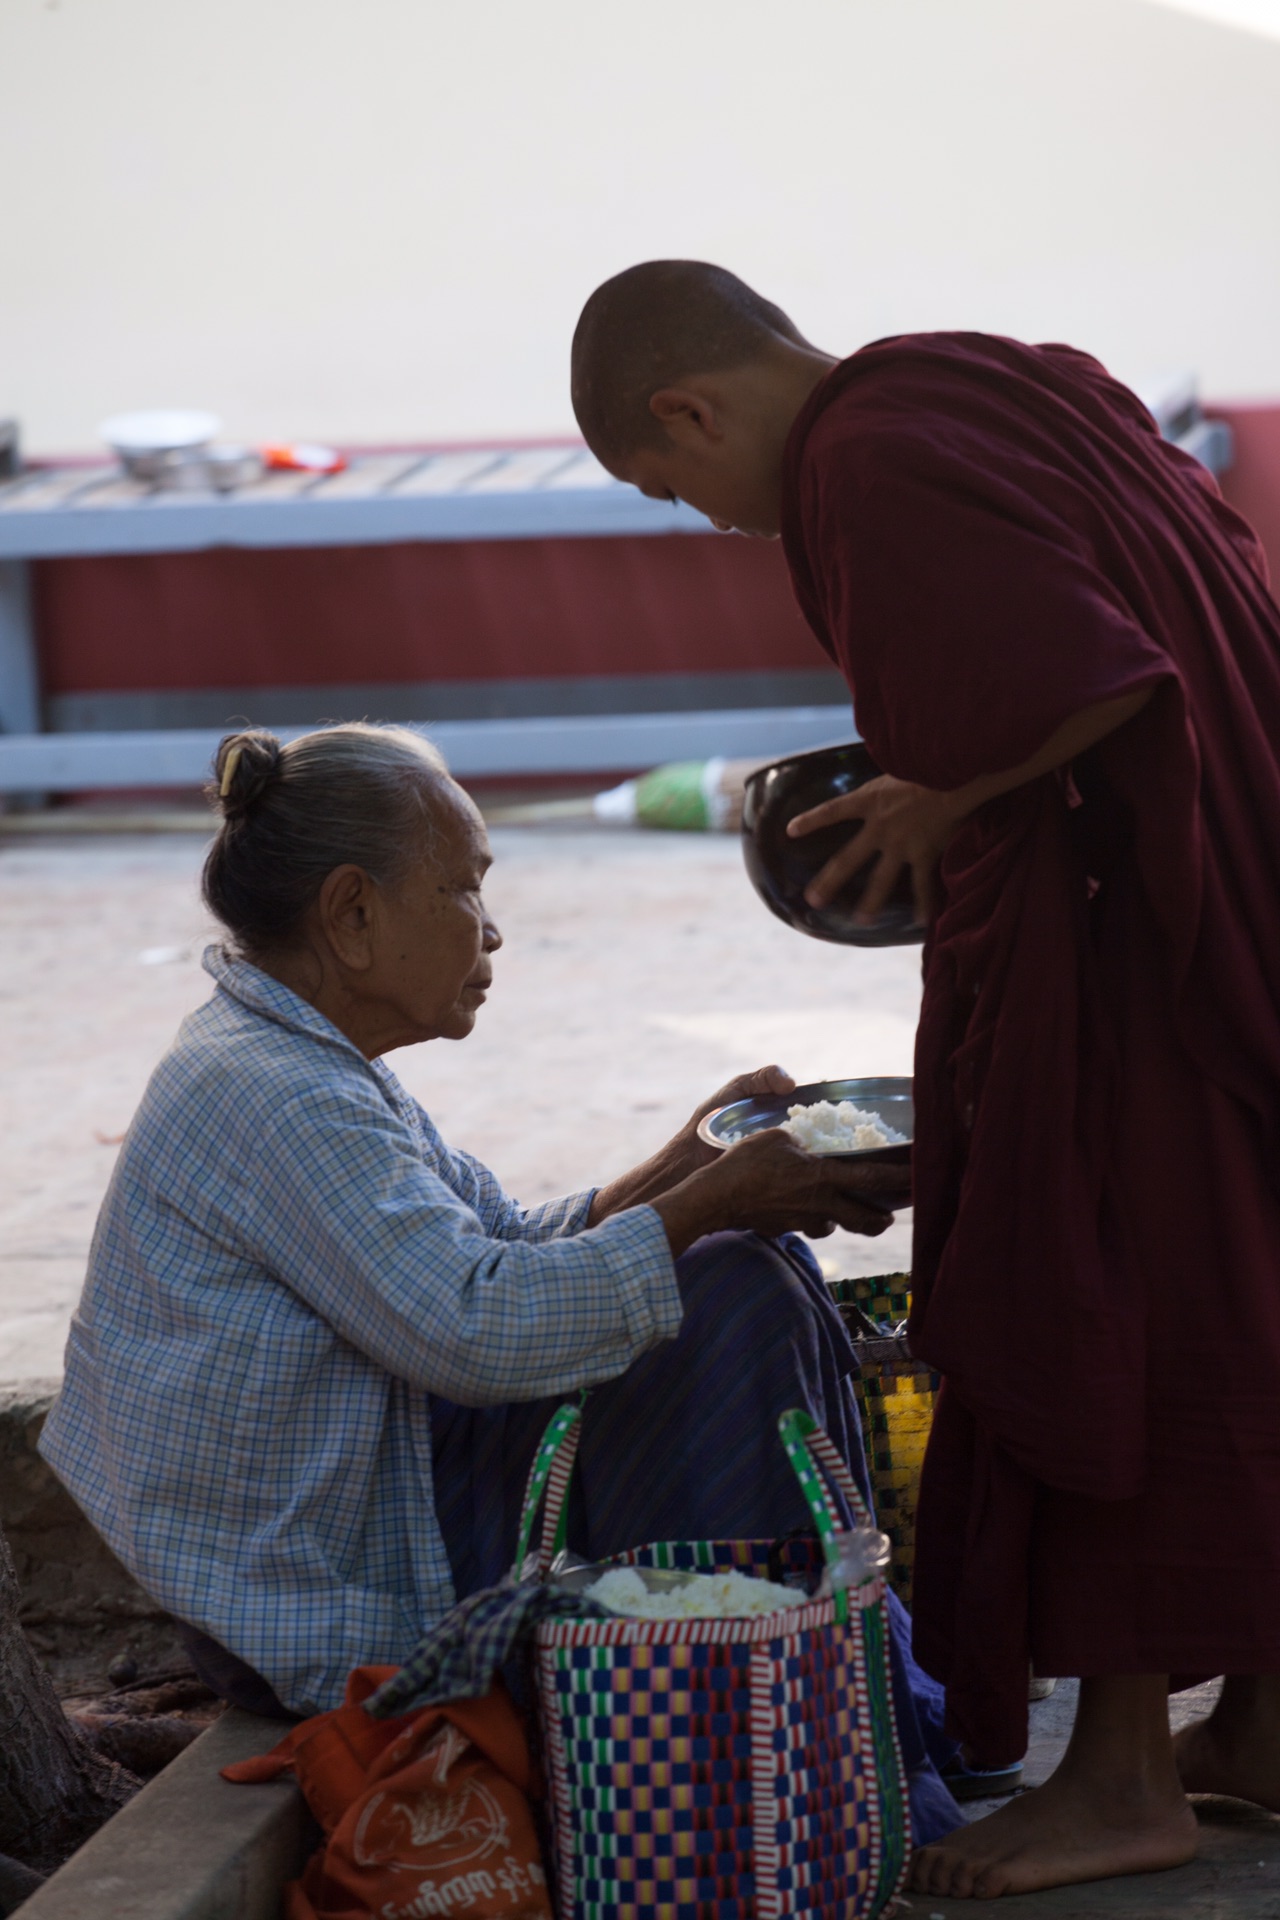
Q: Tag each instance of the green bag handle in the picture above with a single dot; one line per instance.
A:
(813, 1454)
(549, 1474)
(810, 1451)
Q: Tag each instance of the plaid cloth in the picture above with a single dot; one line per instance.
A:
(288, 1264)
(459, 1659)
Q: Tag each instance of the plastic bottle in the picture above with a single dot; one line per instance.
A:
(863, 1554)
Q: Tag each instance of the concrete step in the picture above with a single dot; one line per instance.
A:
(191, 1846)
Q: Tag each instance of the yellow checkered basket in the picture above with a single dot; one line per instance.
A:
(896, 1397)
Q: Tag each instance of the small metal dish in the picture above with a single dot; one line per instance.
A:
(889, 1099)
(229, 466)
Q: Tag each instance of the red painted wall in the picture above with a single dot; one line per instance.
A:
(470, 610)
(1253, 484)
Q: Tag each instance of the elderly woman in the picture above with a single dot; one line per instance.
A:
(317, 1346)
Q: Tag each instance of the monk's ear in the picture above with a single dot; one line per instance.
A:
(690, 418)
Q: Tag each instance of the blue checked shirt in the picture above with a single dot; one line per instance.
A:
(288, 1261)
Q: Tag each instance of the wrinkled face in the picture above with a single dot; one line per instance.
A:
(729, 480)
(434, 936)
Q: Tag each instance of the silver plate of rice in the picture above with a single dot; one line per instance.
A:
(878, 1113)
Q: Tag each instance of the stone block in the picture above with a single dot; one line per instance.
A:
(191, 1846)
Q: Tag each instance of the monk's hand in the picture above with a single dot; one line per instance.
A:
(898, 825)
(769, 1184)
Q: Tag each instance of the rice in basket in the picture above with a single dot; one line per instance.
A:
(729, 1595)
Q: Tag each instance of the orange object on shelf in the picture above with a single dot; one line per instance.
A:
(303, 456)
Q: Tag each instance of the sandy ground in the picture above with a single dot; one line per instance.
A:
(639, 972)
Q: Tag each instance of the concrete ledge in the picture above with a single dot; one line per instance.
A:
(191, 1846)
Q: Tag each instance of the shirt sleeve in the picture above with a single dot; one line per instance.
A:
(346, 1213)
(969, 604)
(493, 1206)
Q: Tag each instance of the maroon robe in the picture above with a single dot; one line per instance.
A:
(988, 538)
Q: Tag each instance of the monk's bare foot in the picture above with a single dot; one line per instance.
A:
(1236, 1751)
(1058, 1834)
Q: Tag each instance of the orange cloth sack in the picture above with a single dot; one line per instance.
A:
(423, 1814)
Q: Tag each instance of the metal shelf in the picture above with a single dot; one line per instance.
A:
(527, 493)
(590, 743)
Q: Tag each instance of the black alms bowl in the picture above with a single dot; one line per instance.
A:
(780, 868)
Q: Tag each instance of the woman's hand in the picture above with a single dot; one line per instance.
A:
(746, 1086)
(684, 1153)
(905, 825)
(769, 1184)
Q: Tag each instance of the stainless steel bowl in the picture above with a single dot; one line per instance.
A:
(889, 1099)
(171, 472)
(160, 444)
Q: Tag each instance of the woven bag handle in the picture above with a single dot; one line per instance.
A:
(549, 1475)
(810, 1449)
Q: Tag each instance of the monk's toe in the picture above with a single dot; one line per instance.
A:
(922, 1863)
(933, 1870)
(987, 1885)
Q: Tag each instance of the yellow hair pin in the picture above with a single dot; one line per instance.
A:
(229, 766)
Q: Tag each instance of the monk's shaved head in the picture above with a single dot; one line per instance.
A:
(653, 326)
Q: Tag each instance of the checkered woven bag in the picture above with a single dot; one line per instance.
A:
(896, 1397)
(720, 1769)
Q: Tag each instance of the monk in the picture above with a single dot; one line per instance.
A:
(1064, 656)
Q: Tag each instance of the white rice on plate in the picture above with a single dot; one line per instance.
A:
(828, 1127)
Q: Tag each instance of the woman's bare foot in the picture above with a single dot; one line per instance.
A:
(1236, 1751)
(1115, 1805)
(1054, 1836)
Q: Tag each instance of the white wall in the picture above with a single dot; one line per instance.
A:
(376, 219)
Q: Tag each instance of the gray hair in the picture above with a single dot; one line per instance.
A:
(293, 811)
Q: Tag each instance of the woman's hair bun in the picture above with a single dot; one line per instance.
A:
(243, 768)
